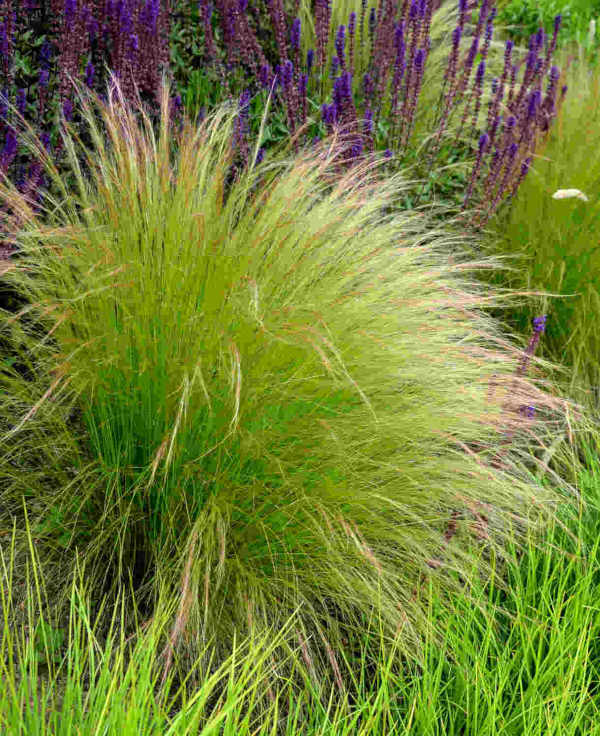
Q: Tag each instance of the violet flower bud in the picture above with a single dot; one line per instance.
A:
(387, 153)
(310, 60)
(44, 75)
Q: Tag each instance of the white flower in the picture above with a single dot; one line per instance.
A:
(569, 194)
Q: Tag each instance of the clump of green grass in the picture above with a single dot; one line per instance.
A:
(556, 240)
(261, 394)
(524, 660)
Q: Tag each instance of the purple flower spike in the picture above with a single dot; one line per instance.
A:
(335, 62)
(368, 124)
(67, 109)
(21, 101)
(70, 9)
(419, 59)
(10, 147)
(243, 5)
(456, 36)
(340, 45)
(295, 35)
(539, 324)
(483, 142)
(45, 54)
(387, 153)
(372, 21)
(263, 76)
(310, 59)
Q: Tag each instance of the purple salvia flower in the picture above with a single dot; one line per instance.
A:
(525, 166)
(368, 87)
(484, 141)
(295, 35)
(335, 62)
(264, 76)
(287, 73)
(310, 58)
(478, 89)
(363, 10)
(10, 149)
(399, 68)
(356, 149)
(539, 39)
(21, 101)
(351, 32)
(302, 87)
(387, 153)
(340, 45)
(45, 54)
(69, 12)
(510, 156)
(372, 22)
(411, 108)
(539, 327)
(539, 324)
(368, 122)
(67, 109)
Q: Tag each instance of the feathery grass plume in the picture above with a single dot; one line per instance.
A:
(267, 382)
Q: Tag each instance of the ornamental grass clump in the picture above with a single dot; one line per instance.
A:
(264, 394)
